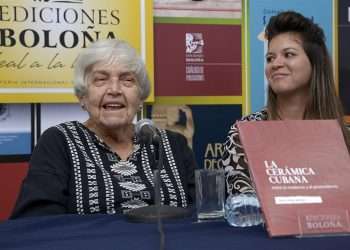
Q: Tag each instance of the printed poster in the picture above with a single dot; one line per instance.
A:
(198, 60)
(15, 129)
(344, 54)
(39, 42)
(204, 126)
(198, 9)
(54, 114)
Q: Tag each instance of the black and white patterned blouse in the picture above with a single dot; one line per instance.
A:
(73, 171)
(234, 160)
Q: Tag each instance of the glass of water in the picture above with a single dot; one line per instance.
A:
(210, 193)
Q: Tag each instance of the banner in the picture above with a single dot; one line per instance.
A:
(40, 39)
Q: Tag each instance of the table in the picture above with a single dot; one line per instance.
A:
(112, 232)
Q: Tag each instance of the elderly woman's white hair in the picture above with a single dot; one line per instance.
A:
(110, 50)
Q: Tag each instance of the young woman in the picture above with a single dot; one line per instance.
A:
(301, 86)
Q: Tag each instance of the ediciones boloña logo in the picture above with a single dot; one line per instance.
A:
(34, 26)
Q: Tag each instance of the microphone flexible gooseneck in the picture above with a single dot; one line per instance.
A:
(148, 134)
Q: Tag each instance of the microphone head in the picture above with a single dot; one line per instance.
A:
(141, 123)
(147, 132)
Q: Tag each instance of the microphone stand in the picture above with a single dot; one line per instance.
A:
(157, 211)
(157, 203)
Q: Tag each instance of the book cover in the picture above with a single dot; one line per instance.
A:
(206, 59)
(301, 171)
(193, 122)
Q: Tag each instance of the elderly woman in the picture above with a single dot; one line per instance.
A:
(99, 166)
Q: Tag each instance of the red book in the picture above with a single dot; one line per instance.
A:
(301, 172)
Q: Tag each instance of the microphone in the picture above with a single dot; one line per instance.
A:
(147, 132)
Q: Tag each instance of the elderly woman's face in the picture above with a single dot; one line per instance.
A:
(112, 97)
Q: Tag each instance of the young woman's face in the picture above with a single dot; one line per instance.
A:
(112, 97)
(288, 69)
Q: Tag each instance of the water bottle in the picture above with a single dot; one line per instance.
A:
(243, 210)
